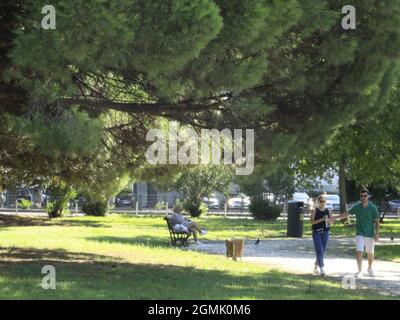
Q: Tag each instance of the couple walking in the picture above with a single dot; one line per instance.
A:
(367, 230)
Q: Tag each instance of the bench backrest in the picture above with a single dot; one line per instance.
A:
(169, 223)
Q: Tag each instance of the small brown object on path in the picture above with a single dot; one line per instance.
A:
(234, 248)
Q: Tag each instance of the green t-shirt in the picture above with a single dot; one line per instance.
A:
(365, 224)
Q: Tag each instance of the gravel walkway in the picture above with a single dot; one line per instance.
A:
(297, 255)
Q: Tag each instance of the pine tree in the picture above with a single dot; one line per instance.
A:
(284, 67)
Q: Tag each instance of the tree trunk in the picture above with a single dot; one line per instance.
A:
(385, 209)
(342, 186)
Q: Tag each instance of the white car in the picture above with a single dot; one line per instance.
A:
(333, 202)
(211, 202)
(239, 202)
(269, 196)
(303, 197)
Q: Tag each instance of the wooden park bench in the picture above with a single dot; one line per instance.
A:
(177, 238)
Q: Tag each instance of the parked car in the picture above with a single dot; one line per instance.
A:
(273, 199)
(269, 196)
(48, 197)
(211, 202)
(394, 205)
(125, 200)
(23, 193)
(333, 202)
(2, 198)
(81, 200)
(303, 197)
(239, 202)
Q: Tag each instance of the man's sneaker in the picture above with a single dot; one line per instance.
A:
(203, 232)
(322, 272)
(316, 270)
(371, 272)
(198, 243)
(358, 274)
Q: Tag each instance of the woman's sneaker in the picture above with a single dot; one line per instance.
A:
(315, 271)
(322, 272)
(371, 273)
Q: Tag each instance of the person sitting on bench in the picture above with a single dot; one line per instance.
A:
(179, 222)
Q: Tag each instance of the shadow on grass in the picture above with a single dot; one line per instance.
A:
(18, 221)
(150, 241)
(11, 254)
(88, 276)
(81, 223)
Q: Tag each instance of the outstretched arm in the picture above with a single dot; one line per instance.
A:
(343, 215)
(377, 226)
(331, 218)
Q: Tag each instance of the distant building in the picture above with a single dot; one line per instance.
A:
(147, 196)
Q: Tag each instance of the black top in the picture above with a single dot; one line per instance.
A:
(319, 215)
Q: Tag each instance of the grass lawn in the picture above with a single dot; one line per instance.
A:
(221, 228)
(128, 257)
(388, 252)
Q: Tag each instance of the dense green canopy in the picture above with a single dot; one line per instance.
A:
(284, 67)
(369, 149)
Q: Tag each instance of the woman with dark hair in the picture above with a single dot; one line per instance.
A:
(320, 220)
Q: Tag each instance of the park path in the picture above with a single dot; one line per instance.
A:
(297, 255)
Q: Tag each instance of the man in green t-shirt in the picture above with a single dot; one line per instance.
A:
(367, 229)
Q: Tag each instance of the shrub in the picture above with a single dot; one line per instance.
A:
(199, 182)
(95, 208)
(61, 193)
(194, 208)
(160, 206)
(56, 209)
(25, 204)
(264, 210)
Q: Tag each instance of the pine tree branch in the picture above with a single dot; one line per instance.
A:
(146, 108)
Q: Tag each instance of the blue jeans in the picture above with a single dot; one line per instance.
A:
(320, 242)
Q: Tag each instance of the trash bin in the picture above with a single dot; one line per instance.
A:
(295, 219)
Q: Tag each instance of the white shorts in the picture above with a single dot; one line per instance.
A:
(180, 228)
(366, 242)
